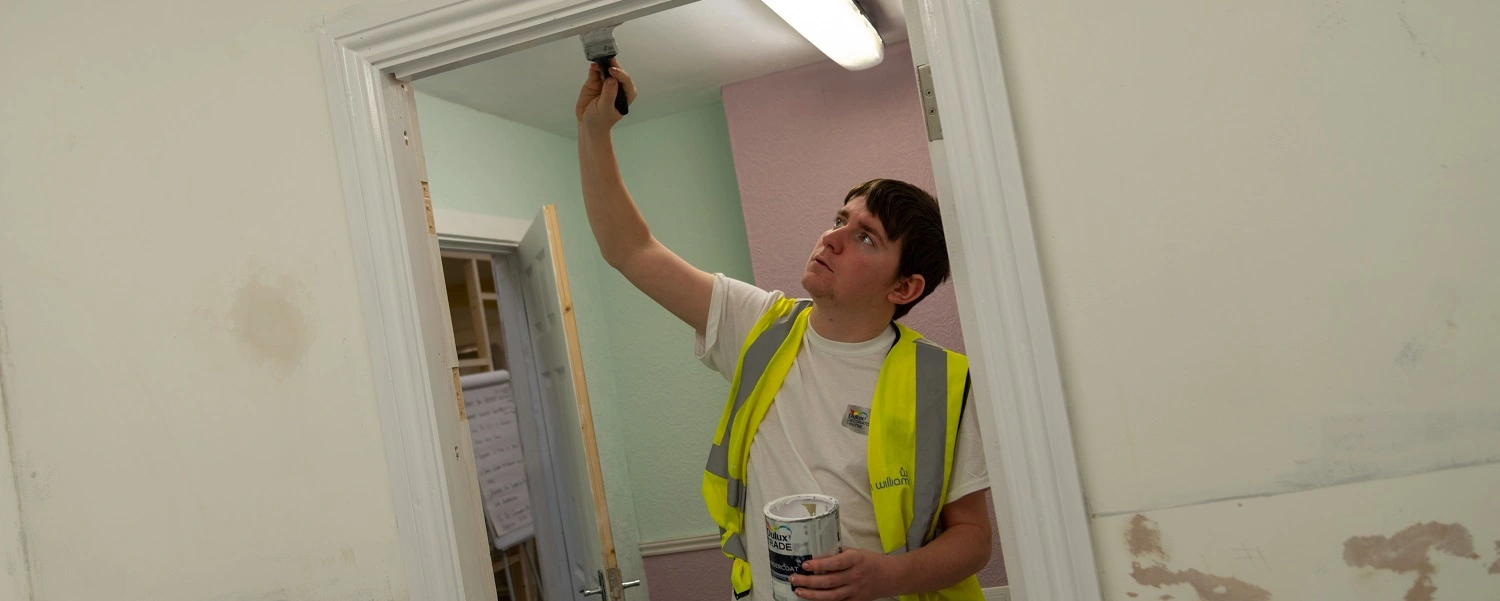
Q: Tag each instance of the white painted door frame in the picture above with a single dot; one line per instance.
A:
(1044, 528)
(369, 54)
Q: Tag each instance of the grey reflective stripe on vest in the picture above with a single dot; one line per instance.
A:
(752, 366)
(736, 493)
(735, 546)
(932, 440)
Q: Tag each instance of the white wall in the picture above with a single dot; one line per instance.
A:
(1268, 236)
(186, 379)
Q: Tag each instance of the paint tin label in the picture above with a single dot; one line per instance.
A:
(799, 528)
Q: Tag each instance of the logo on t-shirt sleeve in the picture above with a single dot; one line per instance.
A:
(857, 419)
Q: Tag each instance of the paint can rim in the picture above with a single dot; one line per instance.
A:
(832, 507)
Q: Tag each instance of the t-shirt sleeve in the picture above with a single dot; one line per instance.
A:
(732, 312)
(970, 475)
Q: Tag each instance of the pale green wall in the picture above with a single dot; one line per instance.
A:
(643, 379)
(680, 170)
(480, 163)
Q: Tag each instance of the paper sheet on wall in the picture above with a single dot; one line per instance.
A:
(491, 408)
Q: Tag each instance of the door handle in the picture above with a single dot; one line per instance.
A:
(598, 591)
(604, 587)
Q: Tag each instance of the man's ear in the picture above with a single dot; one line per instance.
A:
(908, 289)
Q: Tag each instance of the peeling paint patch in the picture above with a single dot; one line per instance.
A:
(1144, 539)
(1410, 550)
(1208, 586)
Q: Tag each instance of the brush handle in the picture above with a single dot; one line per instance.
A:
(621, 104)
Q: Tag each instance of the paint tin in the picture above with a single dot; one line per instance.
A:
(799, 528)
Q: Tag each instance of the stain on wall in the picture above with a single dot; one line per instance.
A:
(1410, 550)
(1495, 567)
(270, 322)
(1342, 449)
(1143, 537)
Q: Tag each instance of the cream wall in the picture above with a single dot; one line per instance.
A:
(1266, 230)
(185, 374)
(1268, 236)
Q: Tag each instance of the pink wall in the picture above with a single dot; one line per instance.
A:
(690, 576)
(802, 138)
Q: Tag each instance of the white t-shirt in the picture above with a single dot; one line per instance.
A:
(811, 450)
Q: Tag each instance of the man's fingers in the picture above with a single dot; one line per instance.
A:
(592, 84)
(611, 89)
(822, 581)
(625, 81)
(842, 561)
(622, 75)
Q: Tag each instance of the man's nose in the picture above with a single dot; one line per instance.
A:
(834, 240)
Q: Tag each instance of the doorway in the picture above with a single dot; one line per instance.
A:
(469, 278)
(371, 57)
(536, 461)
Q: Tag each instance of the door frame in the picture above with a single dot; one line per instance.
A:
(371, 53)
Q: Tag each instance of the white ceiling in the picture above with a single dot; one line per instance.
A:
(679, 58)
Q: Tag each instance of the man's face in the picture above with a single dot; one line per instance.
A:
(853, 263)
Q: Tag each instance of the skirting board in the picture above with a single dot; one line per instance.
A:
(999, 593)
(680, 545)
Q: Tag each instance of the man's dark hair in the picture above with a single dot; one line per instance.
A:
(910, 216)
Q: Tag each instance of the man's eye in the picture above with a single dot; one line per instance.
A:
(838, 222)
(867, 239)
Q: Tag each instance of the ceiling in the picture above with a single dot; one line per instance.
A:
(679, 58)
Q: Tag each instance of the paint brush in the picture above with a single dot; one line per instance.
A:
(599, 47)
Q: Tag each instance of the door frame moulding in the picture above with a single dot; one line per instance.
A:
(371, 54)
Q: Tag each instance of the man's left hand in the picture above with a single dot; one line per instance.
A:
(853, 575)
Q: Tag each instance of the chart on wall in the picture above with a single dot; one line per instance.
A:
(490, 405)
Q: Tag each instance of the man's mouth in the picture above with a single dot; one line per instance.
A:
(825, 265)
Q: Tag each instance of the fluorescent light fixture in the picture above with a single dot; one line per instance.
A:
(837, 27)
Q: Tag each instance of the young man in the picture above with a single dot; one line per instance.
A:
(829, 395)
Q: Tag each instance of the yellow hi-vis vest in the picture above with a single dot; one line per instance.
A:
(919, 397)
